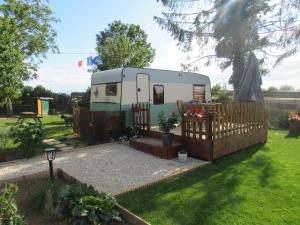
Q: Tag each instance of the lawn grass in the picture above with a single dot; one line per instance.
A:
(54, 128)
(258, 186)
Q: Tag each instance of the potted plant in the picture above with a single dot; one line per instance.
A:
(182, 156)
(294, 124)
(166, 124)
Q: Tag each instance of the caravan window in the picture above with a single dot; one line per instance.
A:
(111, 89)
(158, 94)
(199, 92)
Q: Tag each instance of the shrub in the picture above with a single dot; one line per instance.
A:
(79, 202)
(38, 198)
(8, 207)
(167, 124)
(96, 210)
(28, 135)
(52, 208)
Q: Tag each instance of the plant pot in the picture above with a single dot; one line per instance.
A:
(182, 156)
(167, 139)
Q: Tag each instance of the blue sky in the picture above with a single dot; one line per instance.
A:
(82, 20)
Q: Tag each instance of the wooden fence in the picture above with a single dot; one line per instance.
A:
(141, 116)
(223, 129)
(223, 120)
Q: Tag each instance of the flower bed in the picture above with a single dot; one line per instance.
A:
(37, 202)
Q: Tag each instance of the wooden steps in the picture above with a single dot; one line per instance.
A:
(154, 146)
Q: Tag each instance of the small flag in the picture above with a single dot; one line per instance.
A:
(97, 60)
(89, 61)
(80, 63)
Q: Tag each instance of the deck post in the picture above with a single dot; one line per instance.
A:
(210, 135)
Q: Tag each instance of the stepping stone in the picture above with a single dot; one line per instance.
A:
(54, 143)
(60, 145)
(48, 140)
(67, 148)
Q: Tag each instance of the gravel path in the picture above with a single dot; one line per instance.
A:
(112, 167)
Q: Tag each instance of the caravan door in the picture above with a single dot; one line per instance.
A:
(143, 88)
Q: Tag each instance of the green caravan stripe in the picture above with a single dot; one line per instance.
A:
(167, 108)
(127, 115)
(107, 107)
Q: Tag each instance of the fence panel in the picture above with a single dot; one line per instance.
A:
(141, 116)
(227, 120)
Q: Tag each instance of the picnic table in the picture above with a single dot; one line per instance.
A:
(30, 115)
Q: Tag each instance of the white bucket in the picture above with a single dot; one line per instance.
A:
(182, 156)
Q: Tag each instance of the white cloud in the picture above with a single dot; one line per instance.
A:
(62, 79)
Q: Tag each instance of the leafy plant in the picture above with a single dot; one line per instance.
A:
(95, 210)
(8, 207)
(52, 208)
(37, 199)
(167, 124)
(81, 203)
(28, 135)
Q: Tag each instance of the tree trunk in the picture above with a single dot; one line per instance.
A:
(9, 108)
(238, 65)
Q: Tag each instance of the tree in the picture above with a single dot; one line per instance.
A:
(286, 88)
(272, 89)
(221, 94)
(26, 34)
(122, 45)
(233, 29)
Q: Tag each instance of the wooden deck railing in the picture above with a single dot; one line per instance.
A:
(141, 116)
(223, 120)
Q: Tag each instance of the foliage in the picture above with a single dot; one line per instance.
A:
(52, 210)
(38, 198)
(123, 45)
(53, 128)
(79, 202)
(221, 93)
(286, 88)
(26, 34)
(241, 188)
(95, 210)
(85, 99)
(8, 207)
(234, 29)
(29, 136)
(272, 89)
(167, 124)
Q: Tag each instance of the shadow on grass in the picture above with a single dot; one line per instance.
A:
(196, 198)
(53, 123)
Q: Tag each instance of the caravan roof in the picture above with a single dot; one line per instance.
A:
(156, 75)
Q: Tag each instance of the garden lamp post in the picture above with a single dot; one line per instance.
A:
(50, 154)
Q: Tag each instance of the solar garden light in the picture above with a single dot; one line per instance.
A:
(50, 154)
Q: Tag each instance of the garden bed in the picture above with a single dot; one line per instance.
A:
(28, 184)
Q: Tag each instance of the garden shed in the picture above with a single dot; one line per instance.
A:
(39, 105)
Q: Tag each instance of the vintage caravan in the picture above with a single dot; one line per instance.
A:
(114, 91)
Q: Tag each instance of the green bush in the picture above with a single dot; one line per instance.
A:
(29, 136)
(52, 208)
(81, 203)
(38, 198)
(167, 124)
(8, 207)
(96, 210)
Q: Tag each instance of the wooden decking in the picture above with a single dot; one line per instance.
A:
(154, 146)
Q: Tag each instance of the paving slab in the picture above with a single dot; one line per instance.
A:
(60, 145)
(112, 167)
